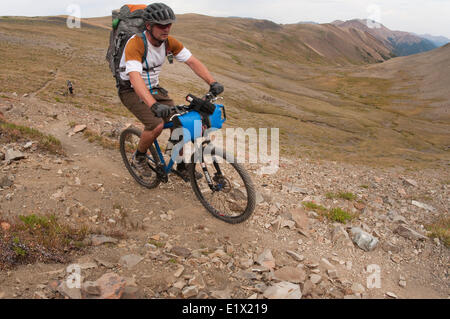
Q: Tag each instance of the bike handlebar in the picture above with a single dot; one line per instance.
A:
(180, 108)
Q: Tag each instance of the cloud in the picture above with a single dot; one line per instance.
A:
(429, 16)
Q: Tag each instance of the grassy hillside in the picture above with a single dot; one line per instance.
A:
(300, 78)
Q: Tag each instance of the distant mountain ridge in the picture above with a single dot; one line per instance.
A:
(437, 40)
(399, 42)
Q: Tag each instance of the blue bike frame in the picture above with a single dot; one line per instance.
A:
(167, 168)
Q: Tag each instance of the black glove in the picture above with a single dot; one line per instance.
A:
(160, 110)
(216, 88)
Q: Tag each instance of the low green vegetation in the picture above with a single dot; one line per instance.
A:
(335, 214)
(339, 215)
(18, 133)
(342, 195)
(43, 238)
(440, 229)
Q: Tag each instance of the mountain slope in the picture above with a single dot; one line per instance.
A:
(401, 43)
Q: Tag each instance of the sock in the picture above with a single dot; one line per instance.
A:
(181, 166)
(139, 154)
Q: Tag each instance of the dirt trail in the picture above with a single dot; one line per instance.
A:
(224, 254)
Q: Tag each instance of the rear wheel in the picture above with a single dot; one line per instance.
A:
(231, 194)
(129, 140)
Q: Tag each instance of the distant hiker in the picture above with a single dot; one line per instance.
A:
(141, 62)
(69, 87)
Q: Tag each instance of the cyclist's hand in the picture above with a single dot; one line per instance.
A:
(216, 88)
(160, 110)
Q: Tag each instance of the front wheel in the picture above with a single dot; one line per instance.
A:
(226, 189)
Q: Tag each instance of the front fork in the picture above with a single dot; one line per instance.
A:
(211, 181)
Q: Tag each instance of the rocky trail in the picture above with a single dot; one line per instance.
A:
(162, 243)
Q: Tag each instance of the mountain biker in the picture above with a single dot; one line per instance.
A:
(149, 102)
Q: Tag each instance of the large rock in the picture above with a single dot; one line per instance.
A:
(181, 251)
(364, 240)
(283, 290)
(409, 233)
(71, 293)
(300, 218)
(111, 285)
(12, 155)
(290, 274)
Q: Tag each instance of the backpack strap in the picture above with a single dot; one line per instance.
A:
(169, 53)
(144, 58)
(142, 36)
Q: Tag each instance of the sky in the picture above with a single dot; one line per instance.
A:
(418, 16)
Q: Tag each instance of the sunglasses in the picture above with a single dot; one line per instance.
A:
(163, 26)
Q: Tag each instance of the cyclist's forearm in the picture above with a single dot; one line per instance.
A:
(200, 69)
(141, 89)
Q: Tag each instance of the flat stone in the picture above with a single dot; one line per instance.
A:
(409, 233)
(290, 274)
(300, 217)
(387, 246)
(221, 294)
(315, 279)
(332, 273)
(424, 206)
(294, 189)
(295, 256)
(71, 293)
(198, 281)
(181, 251)
(79, 128)
(104, 263)
(340, 237)
(179, 271)
(180, 284)
(12, 155)
(132, 293)
(391, 295)
(130, 261)
(111, 286)
(91, 288)
(266, 259)
(410, 182)
(98, 240)
(189, 292)
(283, 290)
(326, 264)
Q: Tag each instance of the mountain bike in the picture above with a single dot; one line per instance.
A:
(225, 188)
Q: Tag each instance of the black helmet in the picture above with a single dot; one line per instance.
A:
(159, 13)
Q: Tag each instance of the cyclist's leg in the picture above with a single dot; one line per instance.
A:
(153, 127)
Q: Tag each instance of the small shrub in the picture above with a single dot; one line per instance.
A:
(440, 229)
(343, 195)
(339, 215)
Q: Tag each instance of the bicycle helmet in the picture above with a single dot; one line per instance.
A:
(159, 13)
